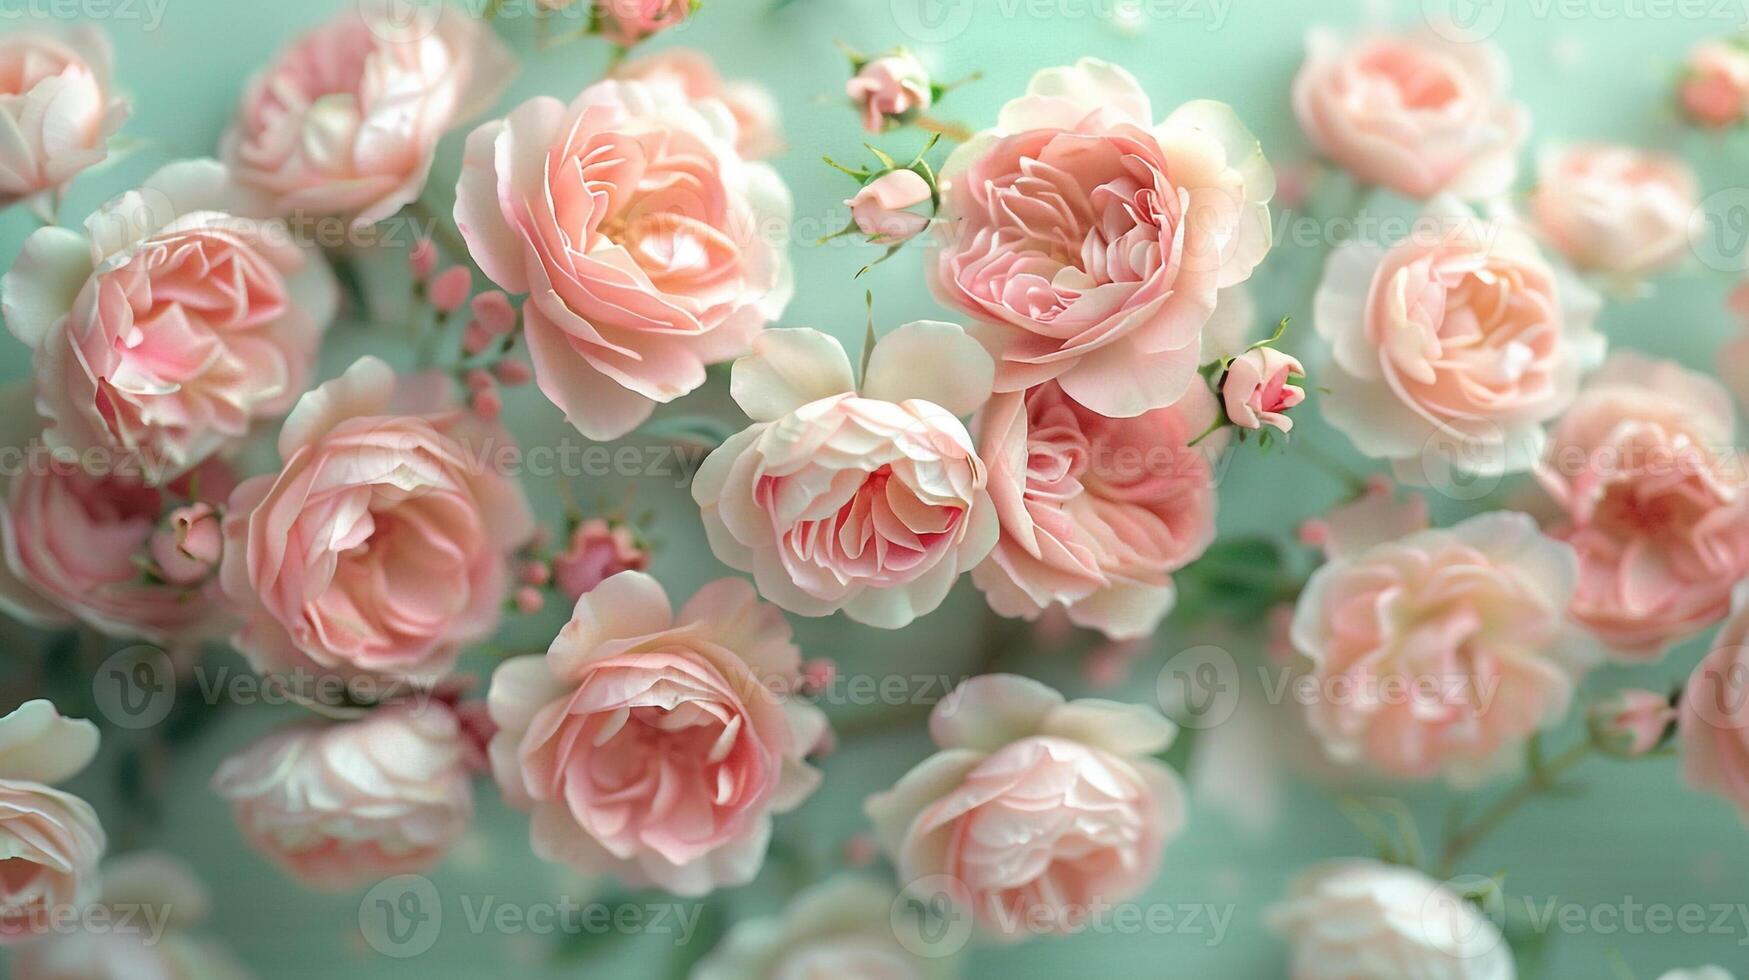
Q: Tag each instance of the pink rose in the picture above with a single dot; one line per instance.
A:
(655, 747)
(51, 840)
(598, 550)
(382, 546)
(1713, 723)
(1655, 514)
(1096, 513)
(647, 246)
(871, 502)
(1416, 113)
(892, 87)
(1037, 810)
(1442, 651)
(626, 22)
(1632, 722)
(842, 927)
(338, 806)
(1715, 89)
(758, 133)
(1088, 242)
(186, 548)
(173, 325)
(1257, 390)
(346, 120)
(57, 112)
(881, 208)
(1615, 209)
(1452, 346)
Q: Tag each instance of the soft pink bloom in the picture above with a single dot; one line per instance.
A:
(51, 840)
(655, 747)
(338, 806)
(647, 246)
(869, 501)
(1453, 346)
(891, 87)
(1443, 651)
(881, 208)
(1419, 114)
(844, 927)
(1096, 513)
(598, 550)
(1713, 728)
(1088, 241)
(58, 110)
(383, 544)
(173, 324)
(1715, 90)
(186, 548)
(1616, 209)
(757, 126)
(1632, 722)
(1258, 389)
(346, 120)
(1365, 920)
(1654, 511)
(1036, 810)
(626, 22)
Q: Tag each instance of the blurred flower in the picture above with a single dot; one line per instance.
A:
(52, 841)
(758, 132)
(1715, 87)
(58, 109)
(1616, 209)
(841, 927)
(626, 22)
(598, 550)
(1632, 722)
(1713, 727)
(890, 88)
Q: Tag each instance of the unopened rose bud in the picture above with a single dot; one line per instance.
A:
(626, 22)
(892, 87)
(880, 208)
(512, 374)
(450, 289)
(529, 600)
(817, 674)
(597, 551)
(476, 338)
(1632, 722)
(494, 312)
(422, 260)
(536, 573)
(186, 549)
(477, 379)
(1715, 87)
(1257, 390)
(488, 404)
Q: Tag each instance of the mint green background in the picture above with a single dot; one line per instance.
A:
(1634, 834)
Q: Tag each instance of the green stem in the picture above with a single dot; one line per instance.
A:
(1544, 774)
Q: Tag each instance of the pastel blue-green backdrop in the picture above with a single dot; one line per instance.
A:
(1633, 839)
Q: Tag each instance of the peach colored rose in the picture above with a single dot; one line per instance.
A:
(1443, 651)
(1096, 513)
(382, 545)
(1416, 113)
(1712, 729)
(1037, 810)
(758, 131)
(598, 550)
(51, 840)
(1452, 346)
(647, 246)
(339, 806)
(842, 927)
(655, 747)
(1363, 920)
(1616, 209)
(881, 208)
(891, 87)
(1655, 514)
(1088, 242)
(869, 501)
(172, 324)
(1715, 89)
(345, 121)
(626, 22)
(58, 110)
(1257, 390)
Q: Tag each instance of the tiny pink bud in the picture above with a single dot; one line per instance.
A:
(477, 379)
(1632, 722)
(422, 260)
(450, 289)
(488, 404)
(860, 851)
(187, 548)
(818, 674)
(476, 338)
(892, 87)
(529, 600)
(512, 373)
(597, 551)
(879, 209)
(536, 573)
(1257, 392)
(493, 311)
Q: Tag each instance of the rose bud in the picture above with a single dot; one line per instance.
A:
(1257, 391)
(492, 310)
(1632, 722)
(626, 22)
(187, 548)
(891, 87)
(599, 550)
(450, 289)
(1715, 87)
(880, 208)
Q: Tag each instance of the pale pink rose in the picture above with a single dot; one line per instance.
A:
(172, 325)
(1364, 920)
(345, 121)
(51, 840)
(1653, 510)
(382, 546)
(1037, 810)
(1632, 722)
(598, 550)
(881, 208)
(1453, 346)
(868, 501)
(1615, 209)
(758, 132)
(339, 806)
(1417, 113)
(1715, 89)
(1258, 389)
(626, 22)
(58, 109)
(891, 87)
(656, 747)
(1713, 725)
(649, 248)
(1088, 241)
(843, 927)
(186, 548)
(1096, 513)
(1440, 653)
